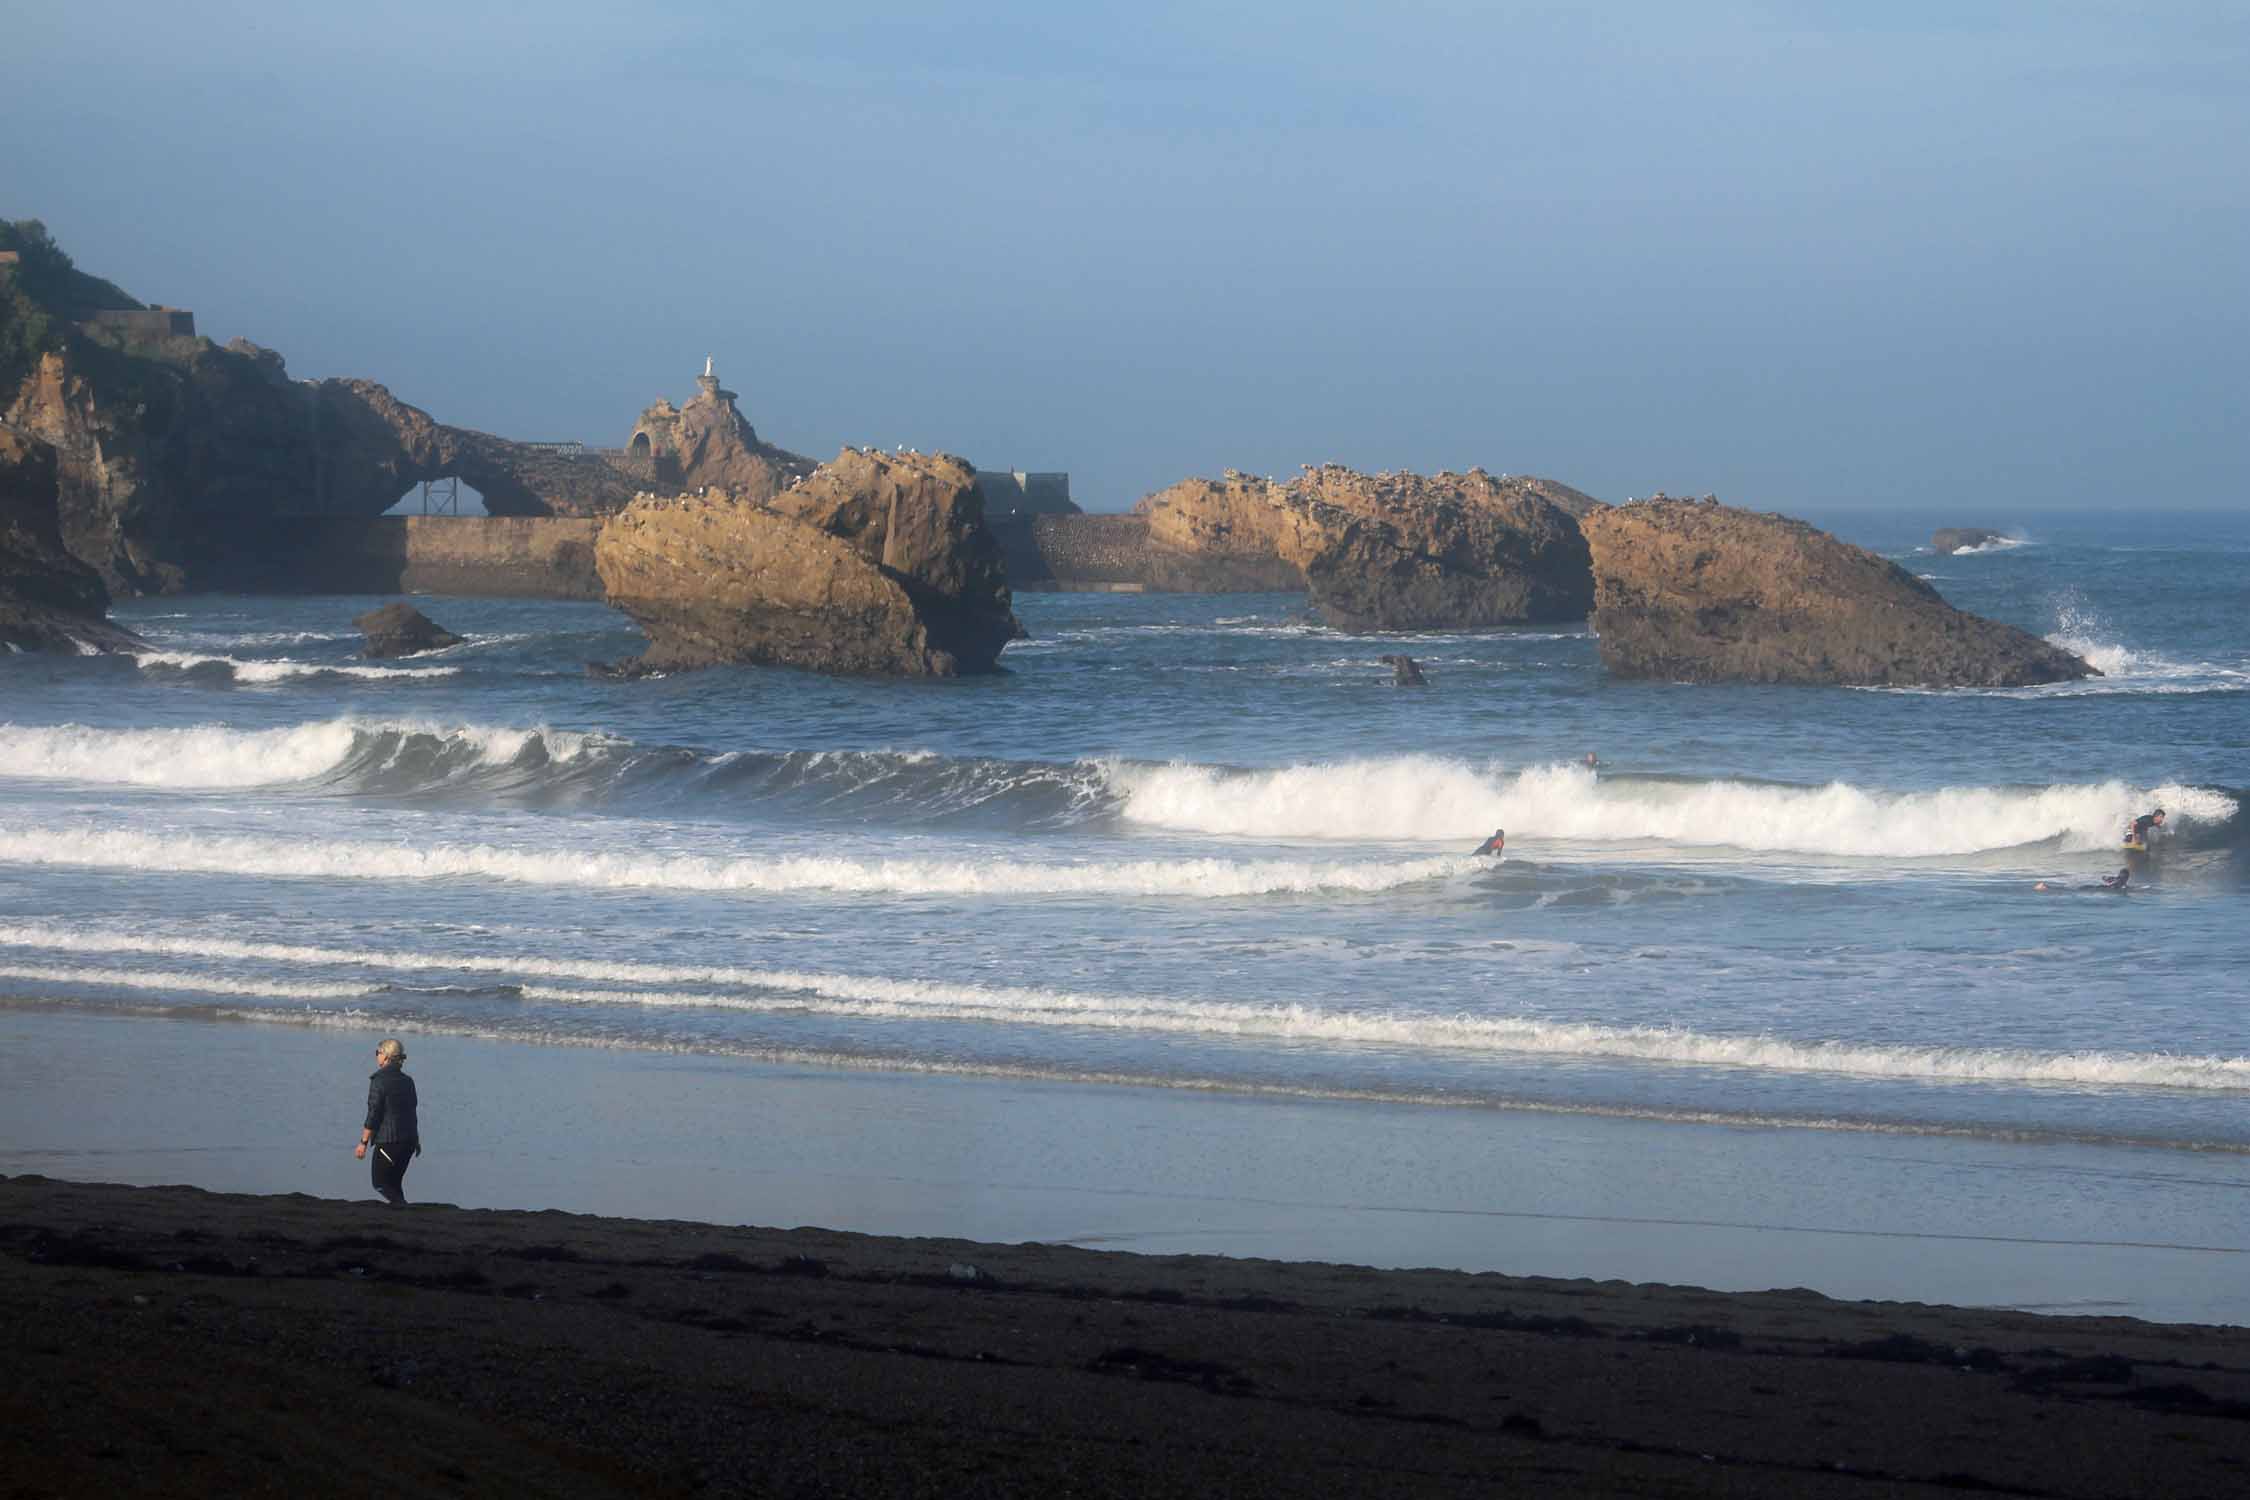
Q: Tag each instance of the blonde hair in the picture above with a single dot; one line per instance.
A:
(391, 1050)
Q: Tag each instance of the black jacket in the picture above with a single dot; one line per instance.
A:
(390, 1108)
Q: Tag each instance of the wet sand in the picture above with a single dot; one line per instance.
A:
(2049, 1227)
(167, 1340)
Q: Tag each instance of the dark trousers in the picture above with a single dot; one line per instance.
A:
(387, 1164)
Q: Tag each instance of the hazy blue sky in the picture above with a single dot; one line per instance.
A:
(1984, 255)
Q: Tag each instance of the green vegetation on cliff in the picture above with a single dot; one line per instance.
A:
(44, 297)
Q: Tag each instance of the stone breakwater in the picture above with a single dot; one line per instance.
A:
(1071, 554)
(524, 557)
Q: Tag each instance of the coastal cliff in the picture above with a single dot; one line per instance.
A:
(49, 600)
(873, 564)
(171, 450)
(164, 464)
(1695, 591)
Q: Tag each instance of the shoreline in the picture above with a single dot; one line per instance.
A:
(170, 1340)
(511, 1125)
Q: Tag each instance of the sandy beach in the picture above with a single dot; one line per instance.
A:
(173, 1341)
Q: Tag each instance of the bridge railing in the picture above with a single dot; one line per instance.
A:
(571, 449)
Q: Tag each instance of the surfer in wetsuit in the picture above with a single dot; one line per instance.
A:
(2140, 837)
(1497, 844)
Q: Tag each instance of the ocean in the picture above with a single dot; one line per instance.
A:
(1197, 849)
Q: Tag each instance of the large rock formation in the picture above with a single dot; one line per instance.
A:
(1696, 591)
(1381, 551)
(873, 564)
(49, 600)
(710, 444)
(166, 463)
(171, 450)
(1235, 534)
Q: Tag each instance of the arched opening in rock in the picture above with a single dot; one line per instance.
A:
(443, 496)
(638, 450)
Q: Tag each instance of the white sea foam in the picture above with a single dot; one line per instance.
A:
(1433, 798)
(235, 640)
(206, 755)
(176, 982)
(220, 854)
(878, 997)
(282, 670)
(212, 755)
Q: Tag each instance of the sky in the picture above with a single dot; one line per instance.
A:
(1808, 257)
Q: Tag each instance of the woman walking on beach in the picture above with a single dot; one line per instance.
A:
(391, 1127)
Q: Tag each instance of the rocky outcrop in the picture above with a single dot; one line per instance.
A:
(1696, 591)
(49, 600)
(1961, 538)
(1234, 534)
(399, 629)
(1381, 551)
(873, 564)
(710, 444)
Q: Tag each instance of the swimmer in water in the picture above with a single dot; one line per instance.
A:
(2114, 884)
(1497, 844)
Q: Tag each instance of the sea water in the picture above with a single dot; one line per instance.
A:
(1202, 845)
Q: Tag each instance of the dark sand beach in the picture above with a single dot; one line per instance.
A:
(173, 1341)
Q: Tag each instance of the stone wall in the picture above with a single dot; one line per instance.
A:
(1067, 553)
(147, 322)
(531, 557)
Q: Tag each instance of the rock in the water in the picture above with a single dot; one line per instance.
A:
(1381, 551)
(402, 630)
(1696, 591)
(1451, 551)
(1406, 672)
(875, 564)
(1962, 538)
(49, 600)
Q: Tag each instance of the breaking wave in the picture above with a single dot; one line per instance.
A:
(238, 670)
(593, 983)
(1392, 799)
(1433, 798)
(2127, 668)
(222, 854)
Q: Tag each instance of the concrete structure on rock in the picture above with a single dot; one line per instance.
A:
(1026, 492)
(141, 324)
